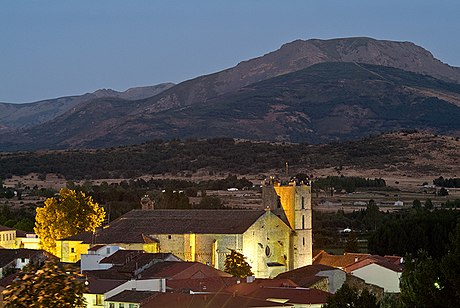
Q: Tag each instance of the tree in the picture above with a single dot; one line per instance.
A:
(236, 265)
(443, 192)
(348, 297)
(70, 214)
(422, 283)
(52, 285)
(351, 244)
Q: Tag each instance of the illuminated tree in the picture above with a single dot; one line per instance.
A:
(236, 265)
(70, 214)
(51, 285)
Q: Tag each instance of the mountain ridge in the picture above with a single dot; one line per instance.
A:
(109, 121)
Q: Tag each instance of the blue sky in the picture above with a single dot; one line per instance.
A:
(58, 48)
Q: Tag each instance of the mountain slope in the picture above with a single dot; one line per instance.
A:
(328, 101)
(20, 116)
(325, 102)
(299, 55)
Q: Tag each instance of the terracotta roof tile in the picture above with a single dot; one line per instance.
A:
(245, 288)
(338, 261)
(293, 295)
(221, 300)
(129, 296)
(306, 276)
(100, 286)
(374, 259)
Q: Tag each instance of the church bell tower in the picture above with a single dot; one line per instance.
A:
(293, 200)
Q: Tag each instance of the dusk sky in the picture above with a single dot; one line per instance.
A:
(50, 49)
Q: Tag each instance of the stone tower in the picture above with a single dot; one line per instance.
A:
(293, 200)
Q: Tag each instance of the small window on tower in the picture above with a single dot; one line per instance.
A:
(303, 222)
(303, 202)
(303, 241)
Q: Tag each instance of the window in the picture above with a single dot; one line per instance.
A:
(72, 250)
(121, 305)
(111, 305)
(169, 237)
(132, 306)
(267, 251)
(99, 299)
(303, 241)
(108, 250)
(303, 203)
(303, 222)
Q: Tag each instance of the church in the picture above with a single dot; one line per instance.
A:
(274, 239)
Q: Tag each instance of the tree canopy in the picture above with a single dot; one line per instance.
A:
(236, 265)
(52, 285)
(348, 297)
(70, 214)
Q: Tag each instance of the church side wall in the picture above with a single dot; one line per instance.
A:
(267, 242)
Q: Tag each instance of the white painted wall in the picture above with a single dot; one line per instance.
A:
(380, 276)
(157, 284)
(90, 261)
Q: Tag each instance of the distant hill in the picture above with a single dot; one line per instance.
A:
(20, 116)
(389, 154)
(307, 91)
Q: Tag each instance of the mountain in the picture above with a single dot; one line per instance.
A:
(21, 116)
(307, 91)
(325, 102)
(299, 55)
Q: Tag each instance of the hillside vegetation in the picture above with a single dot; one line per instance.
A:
(411, 153)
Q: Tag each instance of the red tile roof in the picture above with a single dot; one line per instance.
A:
(292, 295)
(131, 296)
(381, 261)
(245, 288)
(338, 261)
(100, 286)
(221, 300)
(207, 284)
(306, 276)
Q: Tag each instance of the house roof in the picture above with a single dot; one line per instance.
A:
(305, 276)
(5, 228)
(221, 300)
(292, 295)
(136, 226)
(374, 259)
(206, 284)
(121, 257)
(96, 247)
(9, 255)
(101, 286)
(338, 261)
(130, 296)
(182, 270)
(246, 288)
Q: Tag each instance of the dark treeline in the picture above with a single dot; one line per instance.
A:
(119, 198)
(451, 182)
(224, 154)
(349, 183)
(407, 232)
